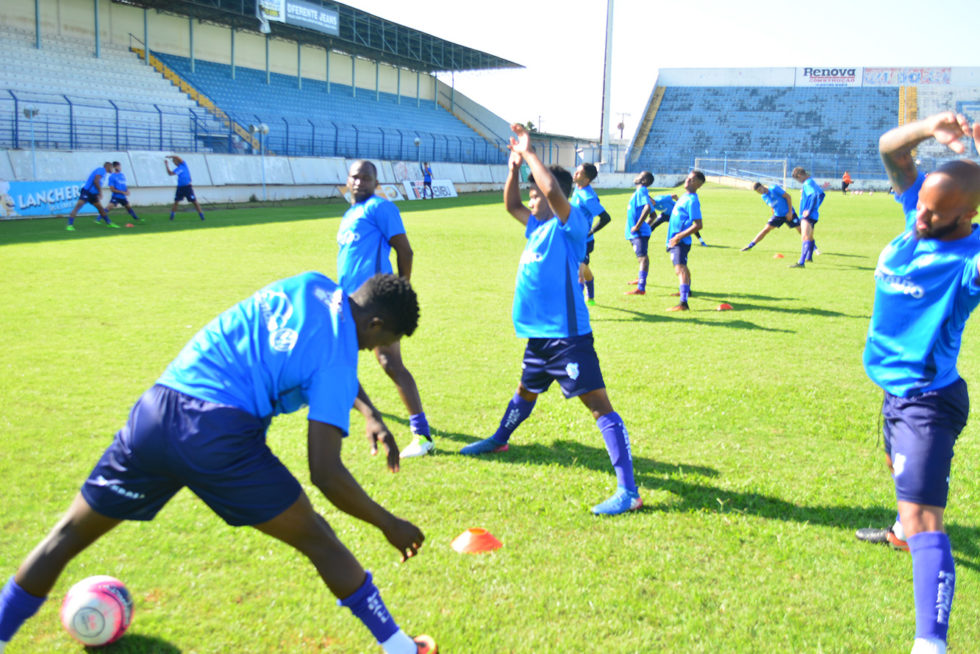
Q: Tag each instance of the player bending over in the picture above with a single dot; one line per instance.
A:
(782, 211)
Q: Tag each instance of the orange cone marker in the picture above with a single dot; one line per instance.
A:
(777, 256)
(476, 539)
(724, 306)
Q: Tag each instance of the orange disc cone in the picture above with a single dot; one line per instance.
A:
(777, 256)
(476, 539)
(724, 306)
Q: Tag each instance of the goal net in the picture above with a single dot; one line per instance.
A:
(750, 170)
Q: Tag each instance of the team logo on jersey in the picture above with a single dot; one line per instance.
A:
(530, 256)
(276, 311)
(347, 236)
(572, 370)
(332, 301)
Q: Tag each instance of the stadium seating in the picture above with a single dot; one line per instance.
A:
(311, 121)
(826, 130)
(110, 102)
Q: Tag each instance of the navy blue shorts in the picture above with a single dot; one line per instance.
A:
(640, 244)
(812, 221)
(678, 254)
(572, 362)
(589, 247)
(185, 193)
(779, 221)
(172, 440)
(89, 196)
(119, 199)
(920, 432)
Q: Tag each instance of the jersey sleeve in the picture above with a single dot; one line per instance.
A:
(593, 206)
(694, 209)
(909, 199)
(389, 220)
(330, 395)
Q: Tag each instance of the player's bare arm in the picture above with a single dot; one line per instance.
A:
(512, 190)
(329, 474)
(542, 176)
(403, 255)
(604, 219)
(376, 431)
(896, 145)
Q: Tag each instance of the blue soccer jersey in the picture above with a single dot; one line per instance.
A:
(291, 344)
(641, 198)
(664, 203)
(90, 184)
(364, 239)
(586, 200)
(118, 182)
(811, 198)
(183, 174)
(547, 300)
(774, 198)
(925, 289)
(686, 211)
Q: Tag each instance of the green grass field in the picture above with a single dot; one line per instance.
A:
(754, 432)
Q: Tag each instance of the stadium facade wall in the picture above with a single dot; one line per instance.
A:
(119, 24)
(223, 178)
(823, 76)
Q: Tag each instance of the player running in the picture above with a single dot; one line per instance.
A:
(553, 317)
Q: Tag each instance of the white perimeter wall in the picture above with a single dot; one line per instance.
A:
(958, 76)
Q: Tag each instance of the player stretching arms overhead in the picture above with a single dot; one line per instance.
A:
(927, 283)
(551, 313)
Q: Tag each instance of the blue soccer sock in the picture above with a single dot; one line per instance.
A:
(517, 411)
(132, 213)
(685, 292)
(419, 425)
(806, 252)
(16, 606)
(590, 288)
(201, 214)
(366, 604)
(618, 445)
(934, 581)
(171, 215)
(642, 281)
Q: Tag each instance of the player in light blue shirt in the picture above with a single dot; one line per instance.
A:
(685, 220)
(781, 204)
(369, 230)
(927, 283)
(665, 205)
(550, 312)
(638, 230)
(91, 193)
(427, 180)
(185, 190)
(585, 198)
(810, 200)
(120, 191)
(203, 425)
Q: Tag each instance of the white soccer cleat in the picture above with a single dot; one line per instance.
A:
(928, 646)
(420, 446)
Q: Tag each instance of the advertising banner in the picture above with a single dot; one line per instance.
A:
(830, 76)
(33, 199)
(387, 191)
(301, 14)
(906, 76)
(441, 188)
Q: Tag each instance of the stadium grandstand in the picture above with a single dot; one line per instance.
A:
(312, 79)
(756, 123)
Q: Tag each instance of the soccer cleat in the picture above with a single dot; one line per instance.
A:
(622, 501)
(420, 446)
(680, 307)
(633, 282)
(590, 302)
(896, 542)
(486, 446)
(635, 291)
(137, 219)
(928, 646)
(426, 644)
(113, 225)
(747, 247)
(797, 265)
(872, 535)
(70, 228)
(703, 243)
(97, 221)
(817, 252)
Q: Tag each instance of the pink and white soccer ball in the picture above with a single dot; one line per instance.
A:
(97, 610)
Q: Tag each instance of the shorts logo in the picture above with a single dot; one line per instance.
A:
(572, 370)
(117, 489)
(898, 464)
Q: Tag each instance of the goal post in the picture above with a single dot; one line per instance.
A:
(749, 170)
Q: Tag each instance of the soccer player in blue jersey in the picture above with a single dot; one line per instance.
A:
(585, 198)
(203, 425)
(810, 200)
(638, 228)
(782, 211)
(427, 180)
(685, 220)
(369, 230)
(120, 191)
(91, 193)
(550, 312)
(185, 191)
(927, 283)
(665, 205)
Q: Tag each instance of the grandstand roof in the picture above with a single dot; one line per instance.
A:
(361, 34)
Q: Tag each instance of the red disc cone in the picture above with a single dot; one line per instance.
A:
(724, 306)
(476, 539)
(777, 256)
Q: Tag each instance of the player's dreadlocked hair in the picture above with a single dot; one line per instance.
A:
(393, 299)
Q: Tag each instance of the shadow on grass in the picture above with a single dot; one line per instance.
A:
(137, 644)
(653, 317)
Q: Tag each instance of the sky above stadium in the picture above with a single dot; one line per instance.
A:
(562, 44)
